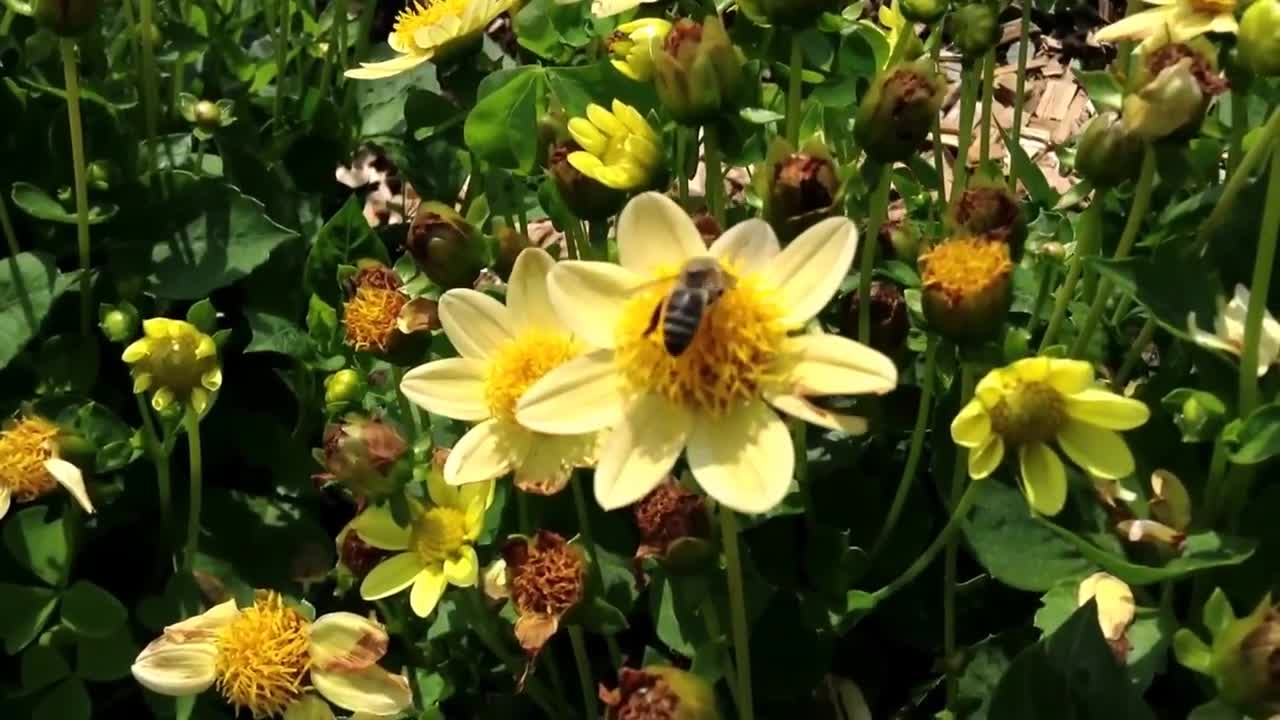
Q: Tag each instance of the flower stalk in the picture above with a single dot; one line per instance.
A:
(593, 556)
(988, 95)
(195, 496)
(158, 451)
(738, 612)
(795, 89)
(1236, 181)
(958, 481)
(585, 676)
(1134, 356)
(1019, 93)
(715, 173)
(878, 210)
(150, 78)
(958, 514)
(71, 74)
(968, 99)
(1090, 227)
(1262, 266)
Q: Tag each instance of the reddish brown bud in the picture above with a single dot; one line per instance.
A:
(889, 321)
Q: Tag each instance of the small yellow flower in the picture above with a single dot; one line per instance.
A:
(261, 658)
(1183, 19)
(429, 28)
(714, 398)
(619, 149)
(1034, 401)
(176, 362)
(30, 466)
(432, 553)
(632, 45)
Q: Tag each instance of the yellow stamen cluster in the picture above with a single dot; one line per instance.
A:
(733, 354)
(24, 448)
(965, 267)
(438, 533)
(263, 657)
(1029, 412)
(520, 363)
(370, 317)
(424, 14)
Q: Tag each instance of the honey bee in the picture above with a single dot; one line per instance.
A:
(697, 287)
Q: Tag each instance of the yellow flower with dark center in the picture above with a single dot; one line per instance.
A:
(1037, 401)
(430, 28)
(619, 149)
(30, 466)
(1182, 19)
(176, 362)
(632, 45)
(264, 659)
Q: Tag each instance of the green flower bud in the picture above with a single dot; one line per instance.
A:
(1107, 154)
(889, 321)
(788, 13)
(1172, 90)
(66, 18)
(445, 246)
(1244, 657)
(966, 287)
(898, 111)
(987, 208)
(1259, 37)
(586, 198)
(101, 173)
(119, 322)
(698, 72)
(799, 188)
(1053, 250)
(924, 11)
(341, 389)
(974, 28)
(660, 692)
(208, 116)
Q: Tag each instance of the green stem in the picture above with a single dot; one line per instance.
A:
(1260, 289)
(337, 32)
(1238, 179)
(944, 538)
(1214, 492)
(482, 622)
(682, 165)
(879, 208)
(795, 89)
(196, 492)
(160, 458)
(598, 239)
(714, 175)
(408, 411)
(738, 611)
(7, 21)
(1048, 275)
(6, 224)
(282, 60)
(800, 445)
(1134, 356)
(968, 99)
(988, 93)
(150, 79)
(1239, 125)
(1137, 211)
(1122, 307)
(952, 554)
(711, 617)
(593, 553)
(915, 450)
(1089, 226)
(1019, 93)
(585, 677)
(71, 74)
(200, 145)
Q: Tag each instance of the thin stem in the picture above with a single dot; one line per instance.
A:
(711, 617)
(1122, 307)
(915, 450)
(1259, 289)
(738, 611)
(1137, 211)
(1048, 275)
(482, 623)
(935, 52)
(968, 99)
(150, 80)
(200, 145)
(585, 677)
(1214, 491)
(1237, 180)
(953, 548)
(160, 458)
(801, 445)
(1239, 125)
(197, 489)
(1020, 91)
(795, 89)
(879, 208)
(593, 552)
(714, 175)
(337, 33)
(282, 60)
(72, 76)
(1134, 356)
(682, 165)
(988, 93)
(6, 224)
(1089, 227)
(408, 411)
(927, 557)
(7, 21)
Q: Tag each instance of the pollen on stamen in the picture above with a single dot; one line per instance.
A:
(24, 448)
(425, 14)
(520, 363)
(263, 657)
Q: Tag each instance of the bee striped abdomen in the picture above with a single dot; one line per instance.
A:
(681, 320)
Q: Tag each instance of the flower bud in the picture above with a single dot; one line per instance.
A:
(1053, 250)
(989, 210)
(511, 242)
(66, 18)
(966, 287)
(889, 321)
(899, 240)
(208, 115)
(585, 197)
(799, 188)
(660, 692)
(341, 389)
(100, 175)
(787, 13)
(1172, 90)
(898, 111)
(673, 528)
(1107, 154)
(1258, 40)
(698, 72)
(1244, 657)
(974, 28)
(361, 454)
(445, 246)
(924, 11)
(119, 322)
(177, 363)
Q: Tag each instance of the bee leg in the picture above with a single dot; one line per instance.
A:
(653, 320)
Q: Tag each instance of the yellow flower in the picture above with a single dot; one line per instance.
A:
(1183, 19)
(30, 466)
(504, 350)
(429, 28)
(713, 398)
(632, 46)
(177, 362)
(619, 149)
(1034, 401)
(261, 658)
(433, 552)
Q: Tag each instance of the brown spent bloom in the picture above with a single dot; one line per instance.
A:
(889, 321)
(545, 578)
(360, 453)
(1210, 81)
(358, 556)
(683, 33)
(372, 312)
(967, 285)
(992, 212)
(668, 517)
(640, 696)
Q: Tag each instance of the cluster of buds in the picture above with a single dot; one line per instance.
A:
(698, 72)
(897, 113)
(673, 526)
(1243, 658)
(966, 287)
(378, 317)
(445, 246)
(659, 692)
(798, 188)
(364, 455)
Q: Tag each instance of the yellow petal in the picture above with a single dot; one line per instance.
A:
(346, 641)
(137, 350)
(176, 669)
(834, 365)
(744, 460)
(625, 68)
(391, 576)
(211, 380)
(984, 459)
(68, 476)
(588, 137)
(1068, 376)
(972, 426)
(810, 269)
(1101, 452)
(632, 120)
(609, 8)
(1108, 410)
(655, 234)
(586, 163)
(990, 389)
(640, 450)
(441, 492)
(581, 396)
(142, 382)
(476, 324)
(798, 406)
(206, 348)
(453, 387)
(603, 119)
(377, 527)
(747, 247)
(589, 298)
(463, 570)
(199, 399)
(487, 451)
(387, 68)
(162, 399)
(1116, 608)
(427, 590)
(1135, 26)
(1032, 369)
(158, 327)
(527, 296)
(371, 690)
(1044, 479)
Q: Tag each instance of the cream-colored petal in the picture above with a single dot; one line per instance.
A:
(6, 500)
(391, 576)
(656, 235)
(1116, 607)
(581, 396)
(427, 590)
(476, 324)
(801, 407)
(810, 269)
(463, 570)
(69, 477)
(971, 427)
(1101, 452)
(453, 387)
(834, 365)
(371, 690)
(1138, 25)
(176, 669)
(377, 527)
(744, 460)
(640, 450)
(589, 298)
(487, 451)
(528, 298)
(346, 641)
(1043, 478)
(203, 627)
(1107, 409)
(984, 459)
(546, 469)
(747, 247)
(387, 68)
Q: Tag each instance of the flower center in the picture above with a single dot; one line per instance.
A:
(370, 317)
(1028, 412)
(438, 533)
(263, 656)
(732, 355)
(23, 450)
(1213, 7)
(425, 14)
(520, 363)
(965, 267)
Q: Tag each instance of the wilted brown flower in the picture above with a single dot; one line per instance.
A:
(659, 693)
(545, 577)
(673, 526)
(360, 453)
(377, 314)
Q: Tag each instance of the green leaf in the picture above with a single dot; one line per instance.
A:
(344, 240)
(1013, 547)
(203, 316)
(107, 658)
(760, 116)
(37, 545)
(498, 129)
(1218, 614)
(1216, 710)
(382, 103)
(322, 323)
(272, 333)
(29, 285)
(1103, 88)
(1029, 173)
(68, 701)
(1257, 438)
(91, 611)
(1191, 651)
(210, 236)
(675, 603)
(1170, 287)
(1201, 551)
(41, 667)
(26, 611)
(40, 205)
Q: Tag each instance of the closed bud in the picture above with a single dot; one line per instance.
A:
(208, 115)
(1172, 90)
(511, 243)
(1053, 249)
(341, 389)
(1258, 40)
(889, 321)
(119, 323)
(660, 692)
(966, 287)
(899, 240)
(632, 45)
(585, 197)
(898, 111)
(445, 246)
(100, 175)
(799, 188)
(1108, 154)
(924, 11)
(66, 18)
(988, 209)
(1243, 658)
(361, 454)
(974, 28)
(698, 71)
